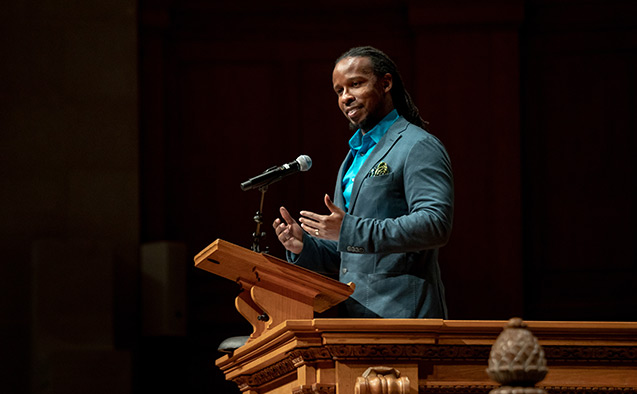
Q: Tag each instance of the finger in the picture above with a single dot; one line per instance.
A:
(284, 233)
(285, 236)
(286, 216)
(309, 227)
(334, 209)
(310, 223)
(281, 228)
(311, 230)
(329, 204)
(311, 215)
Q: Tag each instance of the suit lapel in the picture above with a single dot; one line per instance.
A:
(339, 200)
(381, 149)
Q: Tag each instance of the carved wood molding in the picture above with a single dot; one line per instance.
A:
(554, 353)
(587, 354)
(411, 352)
(285, 366)
(265, 375)
(479, 353)
(484, 389)
(581, 390)
(309, 355)
(316, 388)
(467, 389)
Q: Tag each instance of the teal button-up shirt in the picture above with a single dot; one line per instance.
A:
(361, 146)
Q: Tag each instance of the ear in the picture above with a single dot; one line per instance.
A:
(387, 82)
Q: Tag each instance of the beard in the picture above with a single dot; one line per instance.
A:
(366, 124)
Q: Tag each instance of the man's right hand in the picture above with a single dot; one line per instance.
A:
(288, 231)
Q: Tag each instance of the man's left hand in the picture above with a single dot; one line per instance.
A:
(323, 226)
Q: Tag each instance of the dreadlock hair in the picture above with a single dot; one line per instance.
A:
(381, 65)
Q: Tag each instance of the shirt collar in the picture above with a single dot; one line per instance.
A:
(376, 133)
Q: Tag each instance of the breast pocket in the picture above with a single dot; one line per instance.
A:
(374, 181)
(382, 197)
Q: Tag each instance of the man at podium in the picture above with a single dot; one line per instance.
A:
(392, 207)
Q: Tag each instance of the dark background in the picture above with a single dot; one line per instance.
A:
(142, 130)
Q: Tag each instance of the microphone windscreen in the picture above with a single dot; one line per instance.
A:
(305, 163)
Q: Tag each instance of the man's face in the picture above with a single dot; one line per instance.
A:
(363, 98)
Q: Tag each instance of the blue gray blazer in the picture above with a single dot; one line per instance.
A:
(400, 214)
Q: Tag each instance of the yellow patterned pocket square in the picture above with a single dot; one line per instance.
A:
(379, 169)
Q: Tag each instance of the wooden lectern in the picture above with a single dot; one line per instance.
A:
(290, 352)
(273, 290)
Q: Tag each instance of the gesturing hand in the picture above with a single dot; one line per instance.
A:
(324, 226)
(288, 232)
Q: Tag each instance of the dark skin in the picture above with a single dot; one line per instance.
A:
(364, 99)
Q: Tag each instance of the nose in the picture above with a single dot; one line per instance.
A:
(346, 97)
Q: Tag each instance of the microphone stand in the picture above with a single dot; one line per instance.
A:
(258, 235)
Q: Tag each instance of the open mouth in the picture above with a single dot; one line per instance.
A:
(352, 112)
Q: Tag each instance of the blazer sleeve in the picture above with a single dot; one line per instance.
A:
(427, 186)
(318, 255)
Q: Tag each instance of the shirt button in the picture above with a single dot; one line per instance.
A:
(344, 270)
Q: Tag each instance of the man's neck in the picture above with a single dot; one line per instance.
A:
(373, 122)
(367, 128)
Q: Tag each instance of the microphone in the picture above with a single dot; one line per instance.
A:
(274, 174)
